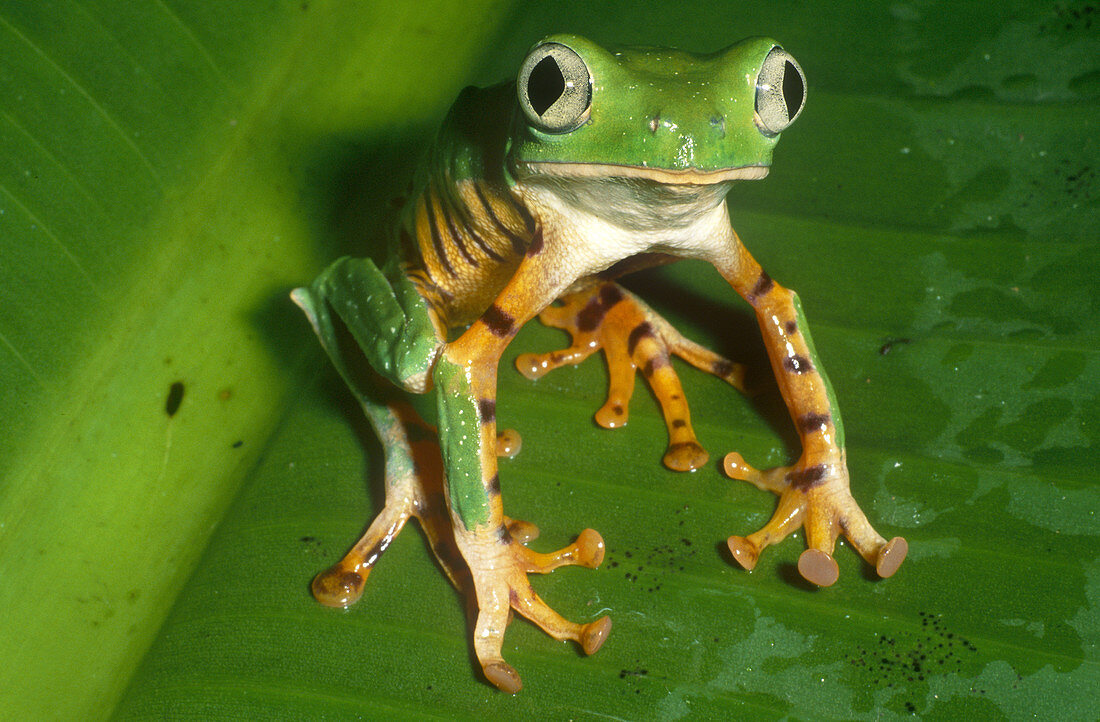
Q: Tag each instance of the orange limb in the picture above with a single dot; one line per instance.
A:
(814, 493)
(491, 543)
(632, 337)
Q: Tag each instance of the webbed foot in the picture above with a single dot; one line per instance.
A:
(817, 498)
(501, 585)
(632, 336)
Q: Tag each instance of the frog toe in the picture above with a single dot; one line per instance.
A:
(502, 587)
(536, 365)
(614, 413)
(815, 497)
(685, 456)
(339, 586)
(586, 551)
(502, 676)
(521, 531)
(509, 443)
(744, 552)
(818, 567)
(633, 339)
(595, 634)
(589, 636)
(890, 556)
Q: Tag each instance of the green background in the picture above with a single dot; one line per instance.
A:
(170, 169)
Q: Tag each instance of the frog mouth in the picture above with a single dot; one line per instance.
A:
(685, 176)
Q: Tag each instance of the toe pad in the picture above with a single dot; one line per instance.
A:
(503, 677)
(743, 551)
(891, 556)
(818, 567)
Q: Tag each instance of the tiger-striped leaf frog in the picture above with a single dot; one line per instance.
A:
(591, 164)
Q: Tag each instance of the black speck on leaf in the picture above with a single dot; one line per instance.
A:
(175, 398)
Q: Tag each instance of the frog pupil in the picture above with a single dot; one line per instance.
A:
(545, 84)
(793, 90)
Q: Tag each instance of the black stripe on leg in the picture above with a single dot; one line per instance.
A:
(721, 368)
(487, 408)
(791, 327)
(797, 364)
(811, 422)
(642, 330)
(456, 235)
(592, 315)
(498, 321)
(763, 285)
(655, 364)
(517, 242)
(462, 211)
(610, 295)
(494, 485)
(524, 214)
(807, 478)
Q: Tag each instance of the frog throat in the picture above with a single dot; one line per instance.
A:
(686, 176)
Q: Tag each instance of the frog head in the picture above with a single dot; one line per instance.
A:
(650, 113)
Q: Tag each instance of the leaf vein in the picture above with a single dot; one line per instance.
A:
(37, 223)
(99, 109)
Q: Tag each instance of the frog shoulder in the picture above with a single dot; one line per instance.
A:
(473, 138)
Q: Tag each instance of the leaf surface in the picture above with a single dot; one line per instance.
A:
(169, 170)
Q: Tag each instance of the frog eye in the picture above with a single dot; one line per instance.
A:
(555, 88)
(780, 92)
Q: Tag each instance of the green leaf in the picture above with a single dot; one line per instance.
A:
(169, 170)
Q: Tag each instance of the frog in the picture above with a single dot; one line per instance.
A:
(536, 197)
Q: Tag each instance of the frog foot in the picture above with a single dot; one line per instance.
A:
(817, 498)
(632, 336)
(501, 585)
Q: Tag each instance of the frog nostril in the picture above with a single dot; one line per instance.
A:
(654, 123)
(718, 122)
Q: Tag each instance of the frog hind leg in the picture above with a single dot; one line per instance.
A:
(493, 545)
(814, 493)
(632, 337)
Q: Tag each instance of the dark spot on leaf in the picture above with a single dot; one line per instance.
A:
(175, 398)
(890, 343)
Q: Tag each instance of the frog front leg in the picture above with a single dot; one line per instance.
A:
(814, 492)
(633, 337)
(465, 378)
(362, 313)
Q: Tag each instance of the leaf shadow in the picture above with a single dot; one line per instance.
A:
(350, 188)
